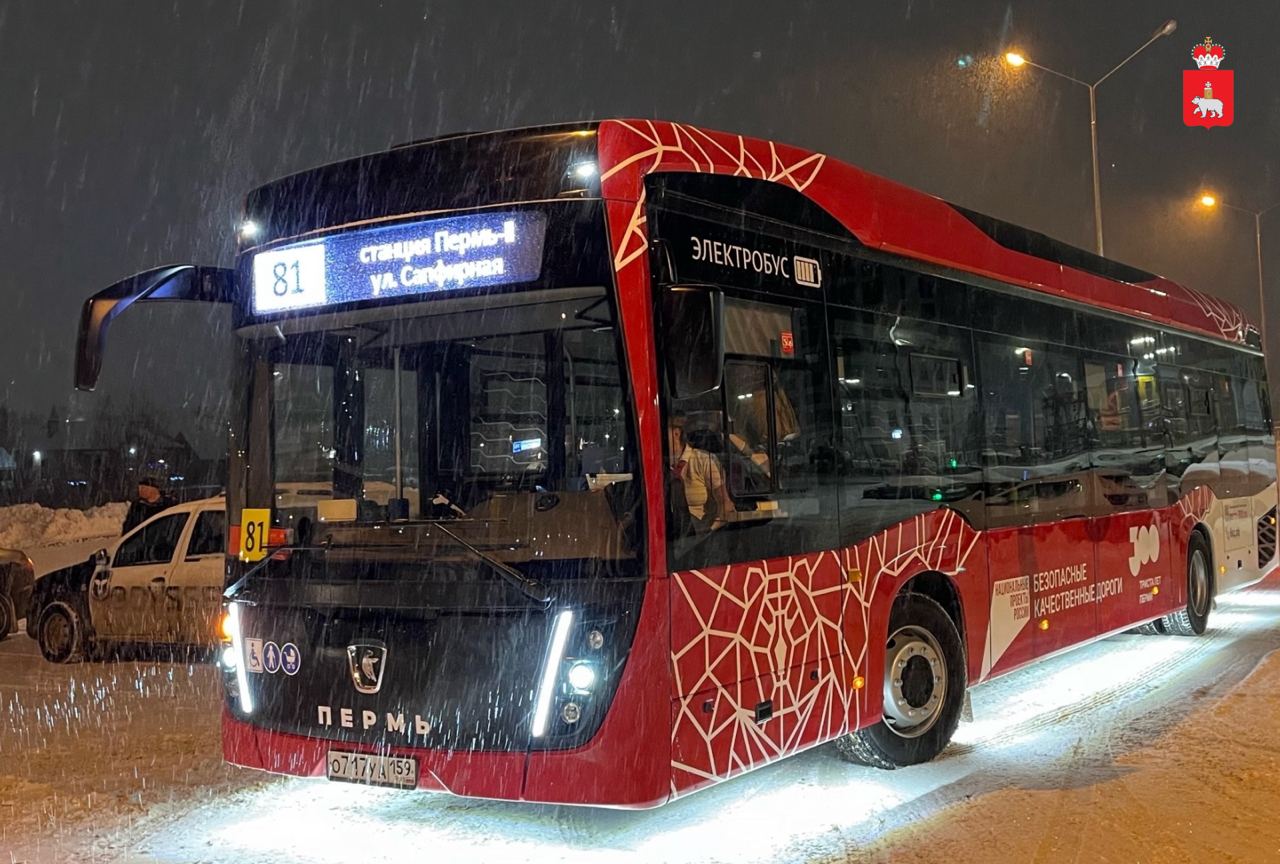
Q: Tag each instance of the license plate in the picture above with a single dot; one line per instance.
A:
(395, 771)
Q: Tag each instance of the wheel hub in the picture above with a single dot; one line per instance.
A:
(57, 633)
(915, 684)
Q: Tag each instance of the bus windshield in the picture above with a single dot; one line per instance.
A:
(504, 414)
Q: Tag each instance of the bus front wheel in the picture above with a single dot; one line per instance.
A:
(1192, 619)
(924, 683)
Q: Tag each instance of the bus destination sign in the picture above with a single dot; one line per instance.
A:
(401, 260)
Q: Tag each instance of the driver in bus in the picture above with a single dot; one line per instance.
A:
(697, 483)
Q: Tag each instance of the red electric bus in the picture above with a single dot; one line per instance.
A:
(597, 463)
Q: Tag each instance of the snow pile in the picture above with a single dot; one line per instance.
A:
(25, 526)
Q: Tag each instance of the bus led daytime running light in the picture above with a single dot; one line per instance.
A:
(542, 708)
(237, 645)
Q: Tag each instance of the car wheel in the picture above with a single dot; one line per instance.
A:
(7, 622)
(924, 685)
(59, 633)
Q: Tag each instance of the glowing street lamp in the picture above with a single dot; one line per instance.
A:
(1017, 59)
(1210, 201)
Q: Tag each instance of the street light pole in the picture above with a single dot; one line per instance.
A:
(1015, 59)
(1097, 184)
(1262, 300)
(1212, 201)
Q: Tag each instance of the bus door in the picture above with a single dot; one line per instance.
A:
(1038, 490)
(756, 598)
(1246, 453)
(1262, 461)
(1130, 478)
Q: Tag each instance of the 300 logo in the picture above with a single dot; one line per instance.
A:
(1146, 546)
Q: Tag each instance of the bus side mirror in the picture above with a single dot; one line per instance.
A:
(177, 282)
(693, 319)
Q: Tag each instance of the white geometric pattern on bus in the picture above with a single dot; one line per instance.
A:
(675, 146)
(1229, 320)
(757, 623)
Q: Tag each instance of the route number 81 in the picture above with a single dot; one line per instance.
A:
(281, 272)
(254, 534)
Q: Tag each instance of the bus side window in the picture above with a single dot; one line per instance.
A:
(1036, 450)
(910, 438)
(767, 429)
(1128, 453)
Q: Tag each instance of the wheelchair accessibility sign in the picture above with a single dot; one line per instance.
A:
(253, 654)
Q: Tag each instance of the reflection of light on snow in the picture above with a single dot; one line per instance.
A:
(1084, 677)
(1111, 666)
(320, 822)
(1121, 665)
(1244, 600)
(772, 821)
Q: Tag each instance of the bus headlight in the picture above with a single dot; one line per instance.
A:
(582, 677)
(229, 659)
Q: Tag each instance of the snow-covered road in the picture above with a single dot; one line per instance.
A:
(1075, 759)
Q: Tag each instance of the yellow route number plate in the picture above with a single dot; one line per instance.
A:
(254, 532)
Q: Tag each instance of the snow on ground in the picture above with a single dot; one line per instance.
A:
(88, 749)
(1132, 749)
(29, 526)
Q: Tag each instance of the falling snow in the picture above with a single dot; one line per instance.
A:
(130, 139)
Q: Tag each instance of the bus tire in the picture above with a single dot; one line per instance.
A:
(1192, 619)
(924, 685)
(8, 617)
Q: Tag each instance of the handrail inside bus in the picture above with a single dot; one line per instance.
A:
(175, 282)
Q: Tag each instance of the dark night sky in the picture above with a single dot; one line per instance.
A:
(132, 130)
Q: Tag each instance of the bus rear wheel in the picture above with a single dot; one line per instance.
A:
(924, 683)
(1194, 617)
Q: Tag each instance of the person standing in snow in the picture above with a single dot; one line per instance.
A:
(149, 502)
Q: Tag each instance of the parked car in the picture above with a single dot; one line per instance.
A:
(159, 585)
(17, 575)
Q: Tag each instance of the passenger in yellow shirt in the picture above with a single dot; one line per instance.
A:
(697, 483)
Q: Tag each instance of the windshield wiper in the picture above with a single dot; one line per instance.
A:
(271, 552)
(526, 585)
